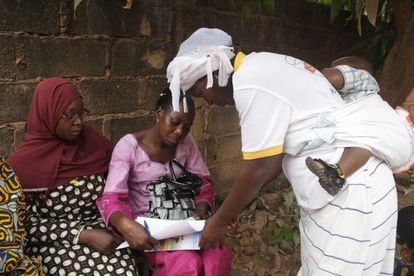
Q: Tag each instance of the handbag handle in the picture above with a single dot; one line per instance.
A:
(178, 164)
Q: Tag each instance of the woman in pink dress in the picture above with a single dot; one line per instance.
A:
(142, 157)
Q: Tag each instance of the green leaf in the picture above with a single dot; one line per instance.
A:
(336, 7)
(286, 234)
(269, 5)
(246, 8)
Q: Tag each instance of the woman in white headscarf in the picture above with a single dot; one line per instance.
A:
(351, 233)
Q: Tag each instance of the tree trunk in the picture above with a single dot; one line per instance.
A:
(397, 81)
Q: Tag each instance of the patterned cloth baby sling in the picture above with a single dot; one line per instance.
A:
(172, 197)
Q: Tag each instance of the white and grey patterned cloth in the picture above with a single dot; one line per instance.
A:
(53, 226)
(358, 83)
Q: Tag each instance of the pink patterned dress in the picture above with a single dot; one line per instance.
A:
(130, 171)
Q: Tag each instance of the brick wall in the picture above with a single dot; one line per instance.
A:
(117, 58)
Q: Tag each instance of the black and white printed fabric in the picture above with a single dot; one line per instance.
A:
(53, 226)
(172, 197)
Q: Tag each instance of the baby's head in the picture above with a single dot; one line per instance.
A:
(355, 62)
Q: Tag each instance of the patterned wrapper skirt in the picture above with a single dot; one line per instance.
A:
(55, 221)
(13, 261)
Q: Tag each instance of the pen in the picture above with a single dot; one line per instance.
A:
(148, 233)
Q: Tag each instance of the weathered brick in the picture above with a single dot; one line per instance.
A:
(220, 5)
(40, 16)
(238, 26)
(6, 140)
(139, 57)
(222, 121)
(198, 125)
(19, 132)
(285, 35)
(157, 3)
(155, 59)
(110, 96)
(122, 126)
(106, 17)
(161, 20)
(62, 56)
(151, 90)
(15, 102)
(7, 57)
(126, 57)
(96, 124)
(224, 176)
(224, 149)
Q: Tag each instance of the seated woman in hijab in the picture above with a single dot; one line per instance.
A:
(62, 166)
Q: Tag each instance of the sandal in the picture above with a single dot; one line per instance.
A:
(331, 177)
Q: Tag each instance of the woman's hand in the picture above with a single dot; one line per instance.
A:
(201, 210)
(232, 224)
(213, 233)
(100, 239)
(133, 232)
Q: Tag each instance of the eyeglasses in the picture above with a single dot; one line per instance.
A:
(72, 118)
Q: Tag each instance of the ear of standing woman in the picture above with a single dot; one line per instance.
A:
(62, 166)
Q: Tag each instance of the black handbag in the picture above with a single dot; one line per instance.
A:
(172, 197)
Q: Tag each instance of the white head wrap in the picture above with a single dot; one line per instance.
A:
(205, 51)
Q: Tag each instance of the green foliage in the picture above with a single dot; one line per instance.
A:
(287, 219)
(377, 45)
(379, 14)
(269, 5)
(285, 234)
(247, 6)
(336, 7)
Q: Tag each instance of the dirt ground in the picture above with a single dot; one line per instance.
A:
(266, 241)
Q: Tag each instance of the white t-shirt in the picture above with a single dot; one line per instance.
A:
(272, 91)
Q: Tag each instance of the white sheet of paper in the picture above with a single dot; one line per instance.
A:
(162, 229)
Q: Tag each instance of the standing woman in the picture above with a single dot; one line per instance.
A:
(62, 166)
